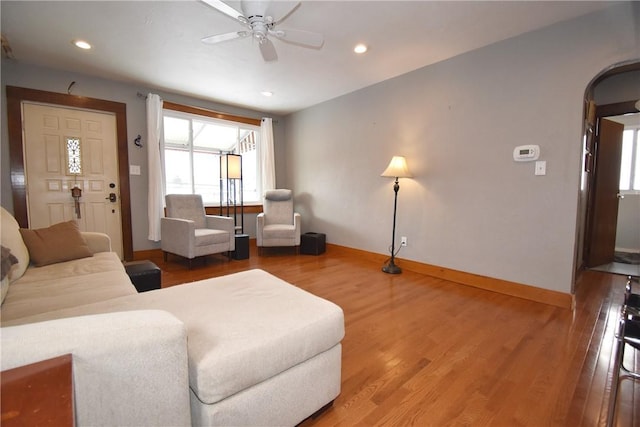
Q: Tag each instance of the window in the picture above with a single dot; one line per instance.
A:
(74, 158)
(192, 147)
(630, 161)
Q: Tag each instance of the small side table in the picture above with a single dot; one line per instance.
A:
(242, 247)
(40, 393)
(313, 243)
(145, 275)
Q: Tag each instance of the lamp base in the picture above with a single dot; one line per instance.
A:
(391, 268)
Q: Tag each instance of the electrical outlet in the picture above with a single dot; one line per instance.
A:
(403, 242)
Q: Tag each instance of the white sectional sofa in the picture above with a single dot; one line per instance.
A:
(242, 349)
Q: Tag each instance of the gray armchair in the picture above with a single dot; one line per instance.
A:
(187, 231)
(278, 225)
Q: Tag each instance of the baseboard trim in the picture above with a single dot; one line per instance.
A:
(531, 293)
(146, 254)
(519, 290)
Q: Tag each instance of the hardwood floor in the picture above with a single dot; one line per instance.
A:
(427, 352)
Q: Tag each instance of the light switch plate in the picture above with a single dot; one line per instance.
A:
(541, 167)
(134, 169)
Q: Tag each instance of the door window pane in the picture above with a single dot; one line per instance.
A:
(625, 162)
(636, 176)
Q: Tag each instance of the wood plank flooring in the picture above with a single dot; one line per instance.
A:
(426, 352)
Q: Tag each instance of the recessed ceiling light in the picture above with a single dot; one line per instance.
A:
(360, 48)
(267, 93)
(81, 44)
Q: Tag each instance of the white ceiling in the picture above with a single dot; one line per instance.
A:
(157, 44)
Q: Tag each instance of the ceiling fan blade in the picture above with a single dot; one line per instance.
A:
(224, 37)
(300, 37)
(287, 14)
(226, 9)
(268, 50)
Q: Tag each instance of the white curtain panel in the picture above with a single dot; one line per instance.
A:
(266, 155)
(154, 156)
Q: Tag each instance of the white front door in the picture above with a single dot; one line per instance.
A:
(66, 148)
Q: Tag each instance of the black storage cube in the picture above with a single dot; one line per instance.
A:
(242, 247)
(313, 243)
(144, 275)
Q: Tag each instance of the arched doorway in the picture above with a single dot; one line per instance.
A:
(611, 93)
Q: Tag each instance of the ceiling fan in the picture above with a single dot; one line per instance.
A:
(261, 25)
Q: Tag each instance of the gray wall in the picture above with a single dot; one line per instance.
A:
(24, 75)
(469, 207)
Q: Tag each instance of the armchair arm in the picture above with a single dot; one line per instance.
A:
(297, 220)
(178, 236)
(97, 242)
(223, 223)
(220, 223)
(129, 368)
(259, 227)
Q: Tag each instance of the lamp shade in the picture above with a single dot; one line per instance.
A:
(231, 166)
(397, 168)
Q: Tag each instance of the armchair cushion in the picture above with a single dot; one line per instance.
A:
(278, 231)
(205, 236)
(186, 206)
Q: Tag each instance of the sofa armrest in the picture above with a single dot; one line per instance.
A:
(129, 368)
(97, 242)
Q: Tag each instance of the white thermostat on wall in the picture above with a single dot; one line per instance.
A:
(526, 153)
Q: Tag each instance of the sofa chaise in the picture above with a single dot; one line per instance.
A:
(242, 349)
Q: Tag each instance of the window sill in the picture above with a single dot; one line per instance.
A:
(215, 210)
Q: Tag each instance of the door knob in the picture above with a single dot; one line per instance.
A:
(112, 197)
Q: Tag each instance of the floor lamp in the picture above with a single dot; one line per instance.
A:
(397, 169)
(230, 174)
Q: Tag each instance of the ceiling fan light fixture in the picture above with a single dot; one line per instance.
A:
(360, 48)
(81, 44)
(260, 25)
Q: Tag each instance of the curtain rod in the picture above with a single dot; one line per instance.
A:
(143, 96)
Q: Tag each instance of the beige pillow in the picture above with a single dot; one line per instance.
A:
(58, 243)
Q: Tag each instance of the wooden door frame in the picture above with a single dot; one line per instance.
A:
(602, 111)
(15, 97)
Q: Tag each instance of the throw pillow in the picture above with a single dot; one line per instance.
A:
(58, 243)
(5, 288)
(12, 239)
(8, 260)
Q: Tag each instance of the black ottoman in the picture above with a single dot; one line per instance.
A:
(313, 243)
(144, 275)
